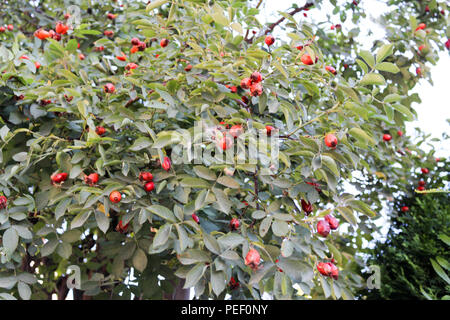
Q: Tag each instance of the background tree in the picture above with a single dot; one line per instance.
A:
(88, 98)
(414, 257)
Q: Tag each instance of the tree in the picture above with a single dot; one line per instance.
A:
(415, 254)
(100, 102)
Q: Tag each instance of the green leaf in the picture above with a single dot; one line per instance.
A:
(348, 215)
(222, 200)
(439, 271)
(218, 281)
(228, 182)
(388, 67)
(385, 51)
(162, 235)
(194, 275)
(205, 173)
(403, 110)
(194, 183)
(361, 135)
(162, 212)
(10, 240)
(363, 208)
(155, 4)
(393, 97)
(24, 290)
(218, 15)
(367, 57)
(141, 143)
(192, 256)
(280, 228)
(139, 260)
(102, 221)
(372, 79)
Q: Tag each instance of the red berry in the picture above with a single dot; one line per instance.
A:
(100, 130)
(225, 143)
(269, 130)
(306, 59)
(134, 49)
(299, 47)
(256, 89)
(252, 259)
(91, 179)
(135, 41)
(233, 89)
(10, 27)
(331, 140)
(3, 202)
(306, 206)
(234, 224)
(81, 56)
(61, 28)
(115, 196)
(425, 170)
(421, 183)
(420, 188)
(195, 217)
(323, 228)
(131, 66)
(246, 83)
(270, 40)
(421, 47)
(166, 164)
(332, 221)
(2, 29)
(145, 176)
(236, 130)
(188, 67)
(164, 43)
(331, 69)
(121, 228)
(256, 77)
(111, 16)
(108, 33)
(42, 34)
(123, 57)
(334, 271)
(149, 186)
(405, 208)
(387, 137)
(141, 46)
(324, 268)
(400, 133)
(109, 88)
(447, 44)
(427, 8)
(37, 65)
(244, 99)
(421, 26)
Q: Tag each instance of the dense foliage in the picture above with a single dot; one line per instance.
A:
(414, 258)
(89, 99)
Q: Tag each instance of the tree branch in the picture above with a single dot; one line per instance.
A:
(279, 21)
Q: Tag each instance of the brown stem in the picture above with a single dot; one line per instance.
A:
(279, 21)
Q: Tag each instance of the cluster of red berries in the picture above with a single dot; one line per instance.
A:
(324, 226)
(421, 185)
(253, 83)
(60, 29)
(10, 27)
(328, 269)
(253, 259)
(147, 179)
(58, 178)
(137, 45)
